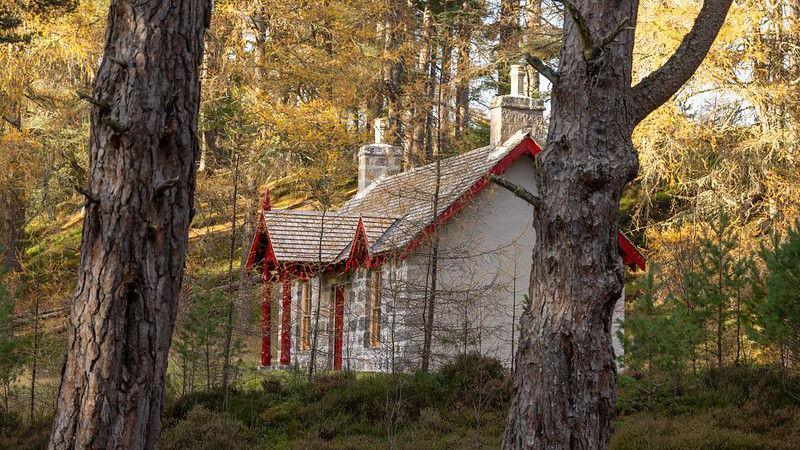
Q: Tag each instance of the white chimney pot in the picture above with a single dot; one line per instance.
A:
(519, 81)
(380, 131)
(509, 114)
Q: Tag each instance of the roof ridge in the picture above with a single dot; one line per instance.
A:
(332, 213)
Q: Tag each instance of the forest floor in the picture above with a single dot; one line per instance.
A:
(461, 406)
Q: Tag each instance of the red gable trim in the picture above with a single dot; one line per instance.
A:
(266, 205)
(526, 147)
(268, 258)
(630, 255)
(254, 247)
(359, 249)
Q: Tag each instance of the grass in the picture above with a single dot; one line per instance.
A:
(462, 406)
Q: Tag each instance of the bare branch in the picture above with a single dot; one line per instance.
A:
(621, 26)
(92, 100)
(90, 198)
(517, 190)
(542, 67)
(659, 86)
(120, 61)
(583, 29)
(12, 122)
(163, 186)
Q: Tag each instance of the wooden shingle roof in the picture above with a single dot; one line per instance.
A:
(295, 235)
(398, 211)
(410, 195)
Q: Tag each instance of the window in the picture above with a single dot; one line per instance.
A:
(305, 317)
(375, 309)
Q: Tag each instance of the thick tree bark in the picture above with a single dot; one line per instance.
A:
(565, 377)
(13, 202)
(12, 224)
(143, 148)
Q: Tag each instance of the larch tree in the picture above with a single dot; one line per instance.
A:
(139, 204)
(565, 378)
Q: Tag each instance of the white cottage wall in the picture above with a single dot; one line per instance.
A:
(485, 256)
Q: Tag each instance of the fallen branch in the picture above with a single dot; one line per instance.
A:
(14, 123)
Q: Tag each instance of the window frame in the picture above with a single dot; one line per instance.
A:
(305, 316)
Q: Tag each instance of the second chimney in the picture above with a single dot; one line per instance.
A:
(516, 111)
(378, 160)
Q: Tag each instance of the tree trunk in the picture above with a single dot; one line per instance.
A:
(463, 68)
(565, 377)
(34, 358)
(229, 318)
(420, 114)
(430, 306)
(533, 16)
(508, 27)
(12, 225)
(143, 148)
(393, 67)
(443, 128)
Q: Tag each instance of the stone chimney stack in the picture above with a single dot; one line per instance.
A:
(516, 111)
(379, 159)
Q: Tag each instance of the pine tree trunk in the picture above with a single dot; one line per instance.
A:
(393, 67)
(565, 378)
(533, 17)
(508, 24)
(12, 224)
(463, 72)
(143, 149)
(13, 201)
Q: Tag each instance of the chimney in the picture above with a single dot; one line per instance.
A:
(516, 111)
(378, 160)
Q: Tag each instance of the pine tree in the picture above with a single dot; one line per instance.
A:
(716, 285)
(10, 363)
(659, 334)
(777, 314)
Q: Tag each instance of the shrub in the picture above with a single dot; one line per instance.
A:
(478, 379)
(16, 434)
(204, 429)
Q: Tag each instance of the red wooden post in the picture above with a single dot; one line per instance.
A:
(266, 322)
(338, 328)
(286, 318)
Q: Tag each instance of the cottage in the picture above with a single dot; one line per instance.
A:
(435, 259)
